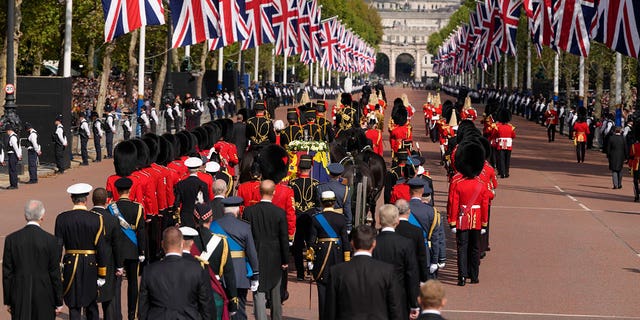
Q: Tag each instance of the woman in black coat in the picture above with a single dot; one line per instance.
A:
(617, 153)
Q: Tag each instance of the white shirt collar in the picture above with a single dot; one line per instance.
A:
(101, 207)
(219, 196)
(416, 198)
(403, 219)
(173, 254)
(388, 229)
(186, 251)
(432, 311)
(265, 200)
(33, 223)
(362, 253)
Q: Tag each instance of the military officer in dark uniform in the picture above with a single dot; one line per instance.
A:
(188, 191)
(213, 168)
(400, 171)
(304, 195)
(130, 215)
(311, 130)
(215, 249)
(259, 128)
(113, 246)
(81, 233)
(293, 131)
(342, 192)
(243, 251)
(326, 129)
(330, 244)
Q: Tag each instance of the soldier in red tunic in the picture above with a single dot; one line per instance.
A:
(504, 135)
(399, 128)
(634, 163)
(375, 135)
(551, 116)
(124, 163)
(580, 133)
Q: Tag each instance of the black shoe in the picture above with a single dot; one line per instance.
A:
(11, 187)
(60, 172)
(476, 280)
(300, 277)
(636, 199)
(482, 255)
(31, 182)
(506, 175)
(84, 164)
(488, 249)
(614, 187)
(462, 281)
(619, 186)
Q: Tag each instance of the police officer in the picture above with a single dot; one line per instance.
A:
(259, 128)
(60, 143)
(153, 119)
(126, 126)
(14, 153)
(33, 151)
(110, 130)
(305, 202)
(81, 233)
(342, 192)
(98, 133)
(84, 134)
(130, 214)
(243, 251)
(330, 244)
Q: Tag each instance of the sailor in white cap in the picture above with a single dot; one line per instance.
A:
(190, 191)
(81, 233)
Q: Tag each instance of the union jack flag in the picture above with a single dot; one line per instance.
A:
(572, 21)
(194, 21)
(285, 23)
(510, 15)
(258, 18)
(124, 16)
(618, 26)
(329, 44)
(304, 21)
(540, 23)
(233, 27)
(314, 53)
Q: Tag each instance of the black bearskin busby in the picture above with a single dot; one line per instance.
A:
(184, 143)
(469, 158)
(504, 115)
(202, 134)
(399, 112)
(166, 153)
(125, 158)
(274, 163)
(154, 150)
(142, 154)
(175, 146)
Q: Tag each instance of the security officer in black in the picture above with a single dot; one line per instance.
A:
(110, 130)
(326, 129)
(131, 217)
(330, 244)
(311, 130)
(342, 192)
(14, 153)
(305, 202)
(84, 132)
(259, 128)
(401, 170)
(98, 132)
(34, 149)
(293, 131)
(59, 144)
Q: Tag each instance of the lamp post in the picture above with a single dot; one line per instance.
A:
(168, 89)
(10, 116)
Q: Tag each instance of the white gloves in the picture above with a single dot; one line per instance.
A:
(441, 265)
(483, 231)
(290, 243)
(310, 265)
(433, 267)
(453, 230)
(254, 285)
(101, 282)
(141, 259)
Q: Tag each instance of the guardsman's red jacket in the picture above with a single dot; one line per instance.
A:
(375, 135)
(504, 135)
(229, 155)
(468, 204)
(283, 198)
(399, 134)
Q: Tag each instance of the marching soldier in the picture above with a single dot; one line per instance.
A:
(400, 170)
(399, 130)
(228, 152)
(293, 131)
(84, 134)
(14, 153)
(97, 135)
(551, 121)
(81, 233)
(311, 130)
(259, 128)
(341, 191)
(330, 244)
(346, 115)
(131, 216)
(60, 143)
(243, 251)
(504, 135)
(375, 135)
(326, 129)
(33, 151)
(110, 130)
(304, 193)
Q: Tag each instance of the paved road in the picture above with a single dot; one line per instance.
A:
(564, 245)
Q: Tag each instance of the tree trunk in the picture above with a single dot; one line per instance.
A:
(157, 90)
(203, 69)
(3, 73)
(175, 61)
(133, 65)
(599, 90)
(91, 56)
(104, 78)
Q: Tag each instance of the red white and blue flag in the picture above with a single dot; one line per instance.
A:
(233, 27)
(572, 23)
(285, 25)
(540, 16)
(329, 44)
(194, 21)
(313, 53)
(510, 15)
(124, 16)
(618, 26)
(258, 15)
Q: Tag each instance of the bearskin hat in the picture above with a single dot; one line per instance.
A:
(175, 145)
(185, 143)
(504, 115)
(274, 162)
(154, 150)
(203, 138)
(582, 114)
(215, 131)
(142, 154)
(485, 144)
(466, 128)
(210, 133)
(469, 158)
(228, 129)
(125, 158)
(399, 112)
(166, 151)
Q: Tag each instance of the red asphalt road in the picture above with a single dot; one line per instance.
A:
(564, 245)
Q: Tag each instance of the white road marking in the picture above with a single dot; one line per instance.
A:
(584, 207)
(541, 314)
(559, 189)
(572, 198)
(536, 208)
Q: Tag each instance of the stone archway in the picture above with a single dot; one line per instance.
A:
(382, 65)
(405, 67)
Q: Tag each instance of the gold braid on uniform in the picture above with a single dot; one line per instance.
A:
(225, 253)
(259, 137)
(306, 194)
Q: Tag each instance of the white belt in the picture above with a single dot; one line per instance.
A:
(475, 206)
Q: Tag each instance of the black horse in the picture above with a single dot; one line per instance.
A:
(353, 150)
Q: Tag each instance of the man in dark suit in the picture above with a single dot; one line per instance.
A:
(269, 229)
(363, 288)
(239, 133)
(399, 251)
(113, 247)
(130, 216)
(431, 300)
(219, 191)
(188, 191)
(31, 269)
(189, 296)
(413, 233)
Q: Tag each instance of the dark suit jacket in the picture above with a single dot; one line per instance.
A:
(399, 251)
(186, 193)
(175, 288)
(414, 234)
(269, 229)
(240, 137)
(430, 316)
(31, 279)
(113, 247)
(217, 208)
(363, 289)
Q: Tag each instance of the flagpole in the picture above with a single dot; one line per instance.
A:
(495, 75)
(310, 65)
(581, 83)
(482, 77)
(141, 52)
(556, 76)
(323, 79)
(68, 21)
(528, 65)
(256, 61)
(618, 92)
(187, 51)
(220, 64)
(515, 72)
(317, 71)
(273, 65)
(505, 79)
(284, 71)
